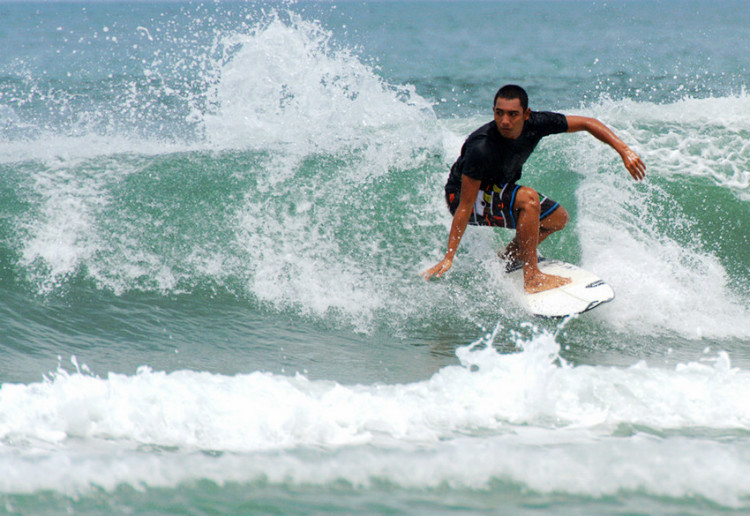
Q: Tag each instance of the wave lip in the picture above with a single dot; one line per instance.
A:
(263, 411)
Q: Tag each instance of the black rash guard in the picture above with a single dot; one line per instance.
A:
(494, 160)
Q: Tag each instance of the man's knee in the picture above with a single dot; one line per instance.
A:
(527, 199)
(556, 220)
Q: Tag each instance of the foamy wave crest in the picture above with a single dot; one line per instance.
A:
(330, 128)
(530, 459)
(662, 282)
(527, 418)
(691, 138)
(284, 216)
(264, 411)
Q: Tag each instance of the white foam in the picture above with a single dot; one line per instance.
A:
(525, 417)
(263, 411)
(571, 462)
(286, 84)
(62, 235)
(50, 148)
(661, 285)
(690, 138)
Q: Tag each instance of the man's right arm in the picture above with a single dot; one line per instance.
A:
(469, 192)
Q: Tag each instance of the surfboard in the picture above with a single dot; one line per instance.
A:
(585, 292)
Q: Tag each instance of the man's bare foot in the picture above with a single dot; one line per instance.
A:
(509, 260)
(512, 260)
(510, 253)
(539, 282)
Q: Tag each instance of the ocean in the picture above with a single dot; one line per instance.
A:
(213, 217)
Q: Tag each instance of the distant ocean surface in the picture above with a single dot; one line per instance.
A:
(212, 221)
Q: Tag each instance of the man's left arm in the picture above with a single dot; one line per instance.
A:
(632, 161)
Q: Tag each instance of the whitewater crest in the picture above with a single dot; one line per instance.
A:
(527, 407)
(487, 392)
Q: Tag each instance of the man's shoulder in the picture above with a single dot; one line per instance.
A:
(548, 122)
(483, 131)
(481, 140)
(540, 116)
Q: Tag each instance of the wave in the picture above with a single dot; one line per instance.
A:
(676, 252)
(690, 139)
(196, 410)
(315, 187)
(701, 471)
(548, 413)
(282, 171)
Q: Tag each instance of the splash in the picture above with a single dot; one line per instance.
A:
(691, 138)
(296, 128)
(287, 84)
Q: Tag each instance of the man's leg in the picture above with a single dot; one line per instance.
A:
(530, 231)
(555, 221)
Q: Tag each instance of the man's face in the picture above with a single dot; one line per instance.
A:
(509, 117)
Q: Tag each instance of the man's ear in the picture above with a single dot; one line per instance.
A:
(526, 114)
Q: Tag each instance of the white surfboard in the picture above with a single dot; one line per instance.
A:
(585, 292)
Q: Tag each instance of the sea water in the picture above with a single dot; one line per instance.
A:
(214, 216)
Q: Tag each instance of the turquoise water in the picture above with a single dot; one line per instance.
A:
(212, 222)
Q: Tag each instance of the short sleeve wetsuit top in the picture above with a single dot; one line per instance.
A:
(497, 162)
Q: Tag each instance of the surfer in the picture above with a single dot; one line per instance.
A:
(482, 190)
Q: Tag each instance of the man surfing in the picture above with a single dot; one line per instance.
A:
(482, 190)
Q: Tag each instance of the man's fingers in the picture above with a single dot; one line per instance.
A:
(436, 270)
(635, 165)
(640, 169)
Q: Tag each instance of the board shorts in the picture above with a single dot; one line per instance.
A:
(495, 206)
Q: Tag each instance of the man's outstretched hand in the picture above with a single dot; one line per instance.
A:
(437, 270)
(634, 164)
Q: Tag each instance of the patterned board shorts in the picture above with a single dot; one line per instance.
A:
(495, 206)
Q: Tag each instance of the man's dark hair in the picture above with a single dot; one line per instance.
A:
(510, 92)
